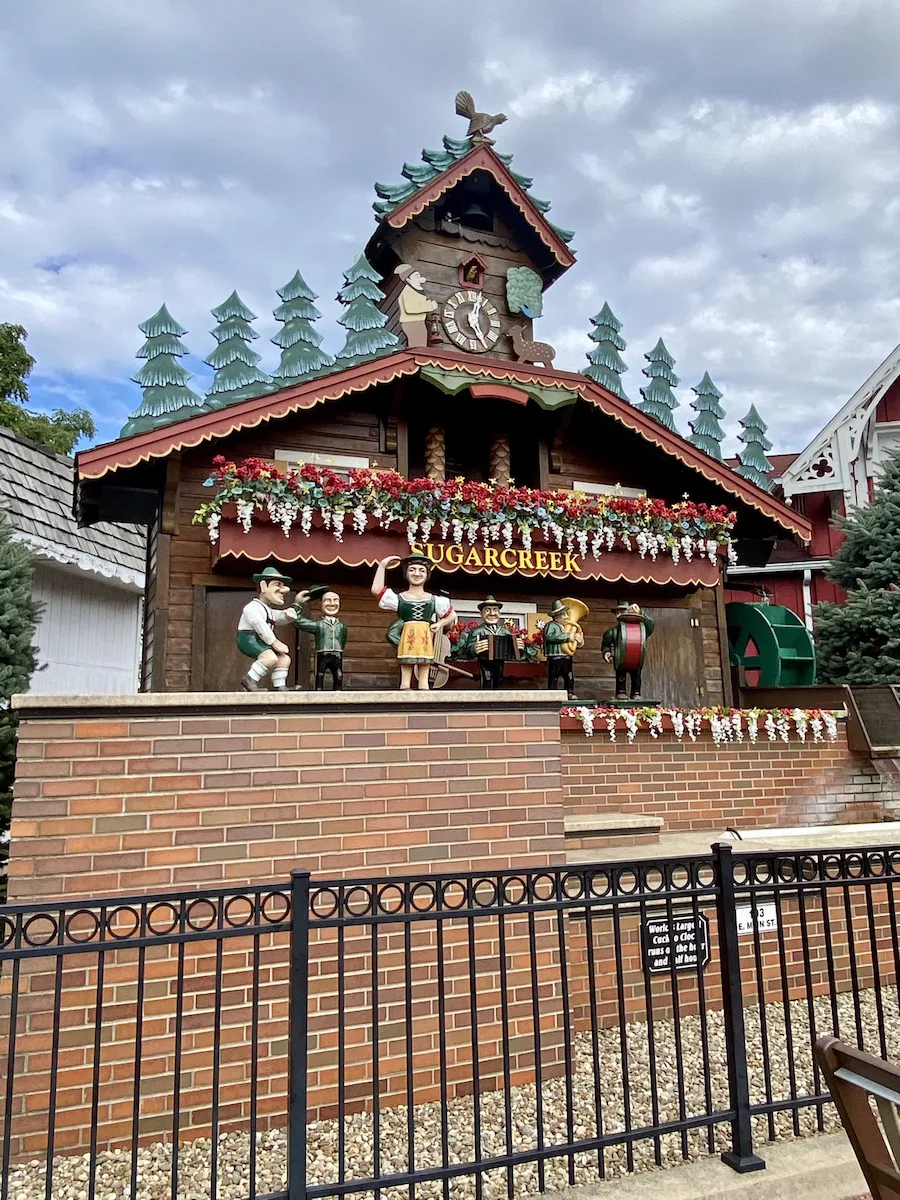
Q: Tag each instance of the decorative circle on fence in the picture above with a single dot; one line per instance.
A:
(275, 907)
(422, 897)
(40, 930)
(200, 915)
(235, 915)
(390, 899)
(324, 902)
(82, 926)
(162, 919)
(513, 890)
(7, 932)
(123, 922)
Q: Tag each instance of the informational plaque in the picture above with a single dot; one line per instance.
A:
(681, 940)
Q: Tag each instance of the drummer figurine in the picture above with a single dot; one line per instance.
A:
(330, 635)
(625, 645)
(562, 637)
(493, 643)
(420, 616)
(256, 637)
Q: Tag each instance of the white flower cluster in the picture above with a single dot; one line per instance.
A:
(725, 726)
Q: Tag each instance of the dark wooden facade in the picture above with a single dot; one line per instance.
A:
(559, 429)
(192, 604)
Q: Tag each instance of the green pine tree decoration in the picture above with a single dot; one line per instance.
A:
(300, 344)
(707, 433)
(18, 658)
(659, 401)
(752, 459)
(237, 376)
(166, 397)
(869, 556)
(365, 324)
(605, 363)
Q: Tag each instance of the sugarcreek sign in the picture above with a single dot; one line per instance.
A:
(512, 560)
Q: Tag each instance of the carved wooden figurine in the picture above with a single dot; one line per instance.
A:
(528, 351)
(562, 638)
(256, 636)
(415, 306)
(420, 616)
(493, 643)
(480, 124)
(625, 644)
(330, 634)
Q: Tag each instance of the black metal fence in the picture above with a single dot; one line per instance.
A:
(475, 1033)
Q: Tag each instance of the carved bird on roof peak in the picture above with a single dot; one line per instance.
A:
(480, 124)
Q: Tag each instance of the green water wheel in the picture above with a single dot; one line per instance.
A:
(771, 639)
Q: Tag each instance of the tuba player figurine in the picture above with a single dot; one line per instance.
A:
(563, 637)
(625, 644)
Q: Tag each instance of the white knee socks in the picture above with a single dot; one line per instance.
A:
(257, 671)
(279, 678)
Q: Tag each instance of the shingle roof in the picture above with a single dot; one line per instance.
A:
(36, 489)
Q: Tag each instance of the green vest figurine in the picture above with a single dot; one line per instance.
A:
(330, 635)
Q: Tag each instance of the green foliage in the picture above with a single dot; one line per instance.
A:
(605, 363)
(859, 641)
(707, 434)
(237, 375)
(365, 324)
(658, 398)
(524, 289)
(18, 657)
(753, 462)
(300, 344)
(58, 431)
(164, 381)
(15, 363)
(870, 554)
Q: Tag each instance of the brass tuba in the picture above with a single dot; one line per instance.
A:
(578, 610)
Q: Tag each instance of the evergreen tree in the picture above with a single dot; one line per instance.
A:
(753, 462)
(166, 397)
(859, 641)
(19, 614)
(300, 344)
(237, 376)
(870, 553)
(58, 432)
(659, 401)
(365, 324)
(606, 365)
(707, 433)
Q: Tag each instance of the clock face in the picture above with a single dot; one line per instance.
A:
(471, 321)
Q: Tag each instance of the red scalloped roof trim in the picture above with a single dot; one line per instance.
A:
(159, 443)
(481, 158)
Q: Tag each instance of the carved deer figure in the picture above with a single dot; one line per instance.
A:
(528, 351)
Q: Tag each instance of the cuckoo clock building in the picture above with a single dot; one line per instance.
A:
(444, 377)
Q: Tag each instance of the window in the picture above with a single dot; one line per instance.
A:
(287, 460)
(607, 489)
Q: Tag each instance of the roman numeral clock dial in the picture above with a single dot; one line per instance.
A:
(471, 321)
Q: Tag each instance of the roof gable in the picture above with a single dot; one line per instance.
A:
(518, 382)
(427, 185)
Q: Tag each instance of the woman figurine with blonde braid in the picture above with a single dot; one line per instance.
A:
(420, 616)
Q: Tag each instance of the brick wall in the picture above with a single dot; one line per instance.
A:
(174, 791)
(698, 785)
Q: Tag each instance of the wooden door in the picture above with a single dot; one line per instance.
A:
(672, 667)
(223, 663)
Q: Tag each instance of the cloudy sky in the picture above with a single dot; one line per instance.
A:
(730, 167)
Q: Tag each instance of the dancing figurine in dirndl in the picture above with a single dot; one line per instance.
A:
(420, 616)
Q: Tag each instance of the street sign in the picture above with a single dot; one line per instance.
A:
(766, 918)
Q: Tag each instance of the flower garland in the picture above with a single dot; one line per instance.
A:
(725, 724)
(459, 508)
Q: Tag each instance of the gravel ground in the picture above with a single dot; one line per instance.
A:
(70, 1174)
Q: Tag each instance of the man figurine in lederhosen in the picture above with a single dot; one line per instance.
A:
(624, 645)
(493, 643)
(256, 635)
(562, 637)
(331, 637)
